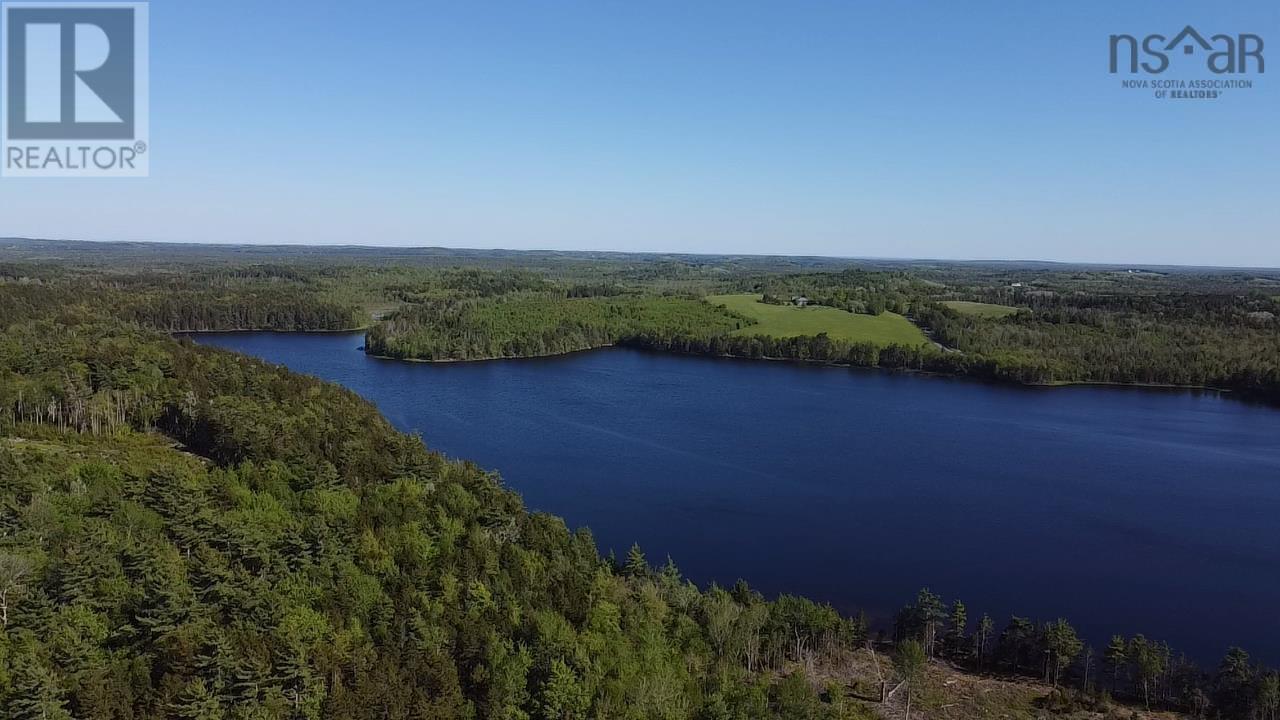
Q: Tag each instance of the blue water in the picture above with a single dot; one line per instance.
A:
(1123, 510)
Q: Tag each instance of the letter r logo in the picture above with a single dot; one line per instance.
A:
(69, 72)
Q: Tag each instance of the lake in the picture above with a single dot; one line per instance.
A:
(1124, 510)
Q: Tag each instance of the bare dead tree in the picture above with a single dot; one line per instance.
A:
(875, 663)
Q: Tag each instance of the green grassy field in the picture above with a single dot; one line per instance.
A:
(986, 310)
(790, 321)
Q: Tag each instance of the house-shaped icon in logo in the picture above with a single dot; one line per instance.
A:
(1188, 33)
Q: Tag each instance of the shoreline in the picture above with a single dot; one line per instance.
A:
(363, 328)
(797, 361)
(826, 363)
(449, 361)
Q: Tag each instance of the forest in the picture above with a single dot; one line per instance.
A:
(190, 533)
(535, 324)
(1219, 341)
(1215, 341)
(1070, 324)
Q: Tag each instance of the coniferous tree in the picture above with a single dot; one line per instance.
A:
(1150, 660)
(982, 638)
(909, 662)
(563, 697)
(1062, 646)
(1269, 696)
(197, 702)
(1235, 693)
(36, 692)
(637, 565)
(957, 632)
(1117, 660)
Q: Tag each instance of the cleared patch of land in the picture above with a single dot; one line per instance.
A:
(986, 310)
(791, 321)
(946, 693)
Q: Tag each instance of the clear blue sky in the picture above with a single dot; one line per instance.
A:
(897, 129)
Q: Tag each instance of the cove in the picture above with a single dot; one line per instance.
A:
(1124, 510)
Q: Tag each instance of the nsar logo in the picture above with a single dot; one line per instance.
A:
(1222, 54)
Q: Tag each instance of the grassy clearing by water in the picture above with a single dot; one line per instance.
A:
(791, 321)
(986, 310)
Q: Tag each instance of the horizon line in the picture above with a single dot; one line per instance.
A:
(874, 258)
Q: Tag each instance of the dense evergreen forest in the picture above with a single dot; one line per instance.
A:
(243, 298)
(189, 533)
(1076, 340)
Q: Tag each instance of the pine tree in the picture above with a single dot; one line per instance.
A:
(909, 661)
(957, 638)
(563, 697)
(1150, 660)
(249, 679)
(636, 565)
(1269, 696)
(982, 639)
(920, 620)
(36, 693)
(1017, 642)
(670, 573)
(1234, 692)
(166, 600)
(1062, 646)
(931, 614)
(1117, 659)
(197, 702)
(214, 663)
